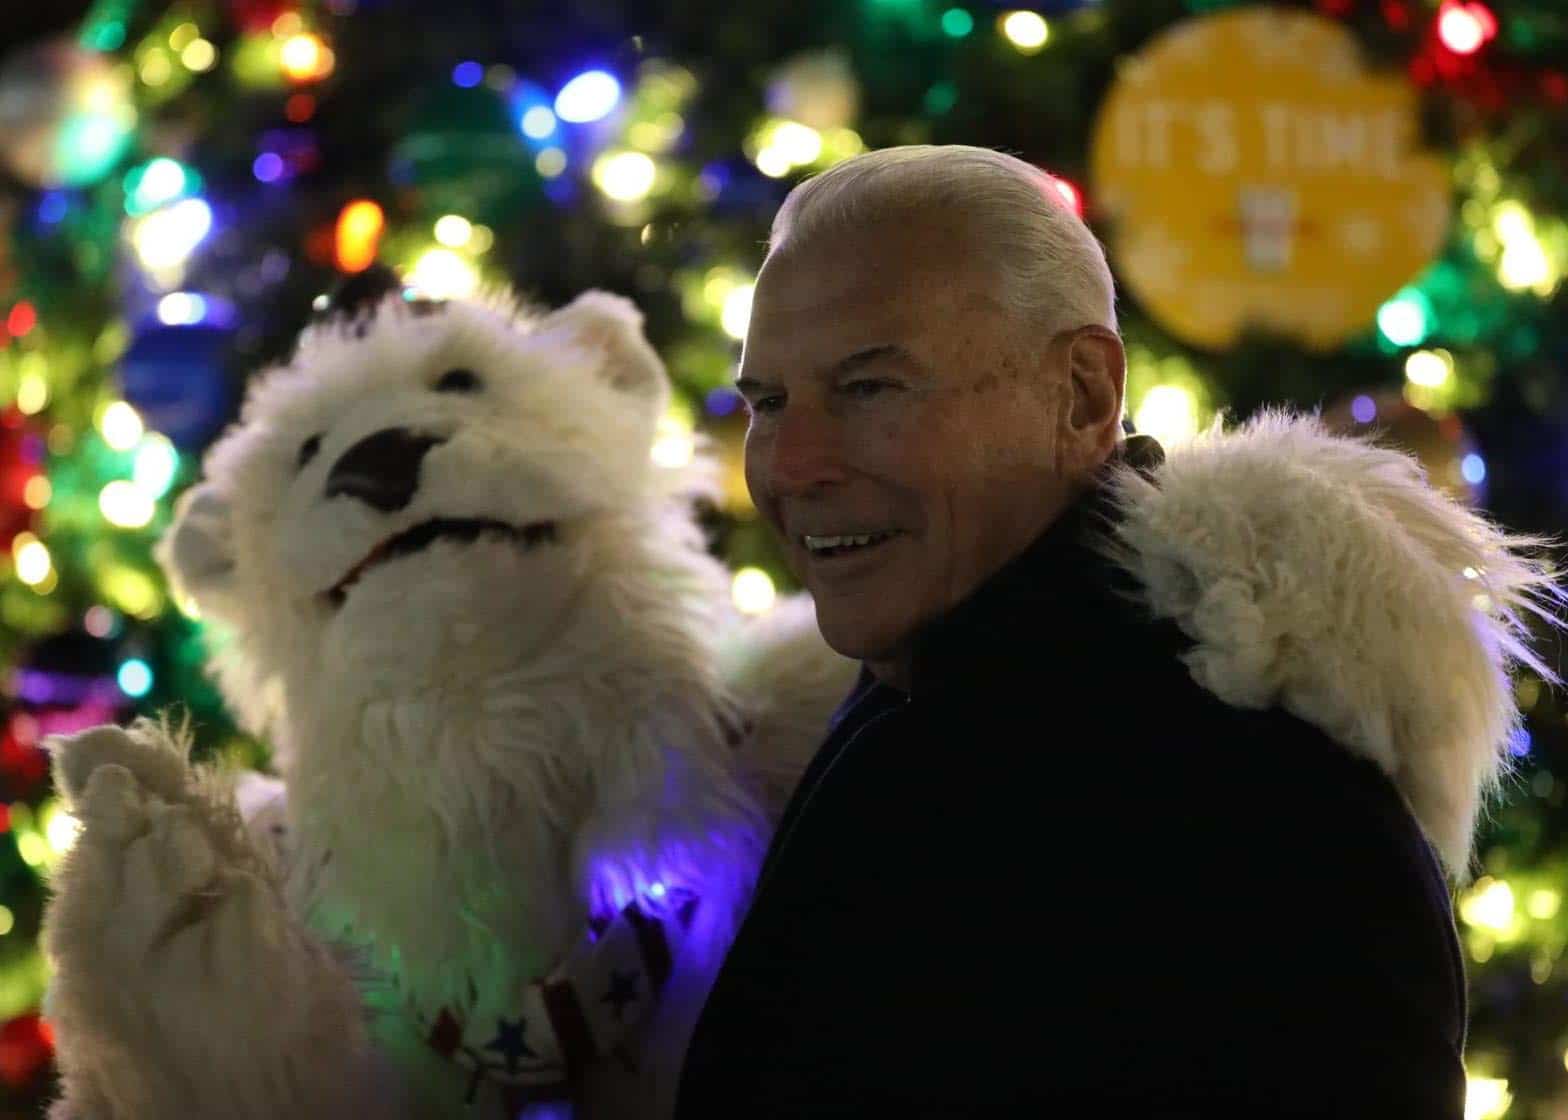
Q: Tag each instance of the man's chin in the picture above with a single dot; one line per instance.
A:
(873, 643)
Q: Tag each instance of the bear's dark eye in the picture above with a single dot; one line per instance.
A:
(308, 449)
(459, 381)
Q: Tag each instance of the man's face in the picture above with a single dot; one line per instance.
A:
(893, 397)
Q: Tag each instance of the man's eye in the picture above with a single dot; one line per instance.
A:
(865, 387)
(763, 405)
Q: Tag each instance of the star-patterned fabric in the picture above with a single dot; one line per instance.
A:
(583, 1010)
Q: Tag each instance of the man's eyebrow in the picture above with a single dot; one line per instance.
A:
(864, 358)
(844, 365)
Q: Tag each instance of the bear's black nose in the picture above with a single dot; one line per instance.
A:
(381, 470)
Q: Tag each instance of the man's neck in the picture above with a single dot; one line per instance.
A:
(893, 672)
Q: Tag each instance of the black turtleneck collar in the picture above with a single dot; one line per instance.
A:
(1061, 596)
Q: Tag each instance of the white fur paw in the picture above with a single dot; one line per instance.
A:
(153, 758)
(173, 947)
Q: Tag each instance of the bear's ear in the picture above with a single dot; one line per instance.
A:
(608, 330)
(197, 552)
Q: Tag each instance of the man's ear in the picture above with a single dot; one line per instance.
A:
(607, 329)
(1097, 382)
(197, 551)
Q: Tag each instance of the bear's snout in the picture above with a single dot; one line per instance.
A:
(382, 470)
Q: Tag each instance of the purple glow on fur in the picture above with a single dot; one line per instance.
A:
(699, 892)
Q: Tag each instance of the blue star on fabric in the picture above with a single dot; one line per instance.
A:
(508, 1042)
(623, 990)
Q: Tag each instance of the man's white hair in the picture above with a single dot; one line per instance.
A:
(1055, 270)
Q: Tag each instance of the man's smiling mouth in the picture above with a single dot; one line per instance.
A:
(417, 537)
(845, 544)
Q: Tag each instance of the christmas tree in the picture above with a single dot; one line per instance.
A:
(180, 182)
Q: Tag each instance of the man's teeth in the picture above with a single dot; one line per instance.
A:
(821, 544)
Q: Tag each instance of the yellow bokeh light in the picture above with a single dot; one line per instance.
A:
(797, 142)
(32, 393)
(1027, 31)
(33, 848)
(736, 315)
(37, 492)
(31, 557)
(1524, 264)
(1486, 1098)
(1488, 905)
(199, 55)
(357, 235)
(673, 448)
(1429, 368)
(453, 230)
(442, 274)
(155, 69)
(773, 163)
(121, 426)
(7, 920)
(304, 57)
(752, 591)
(288, 25)
(550, 162)
(60, 828)
(1512, 222)
(625, 176)
(125, 504)
(538, 122)
(1169, 413)
(1544, 904)
(132, 591)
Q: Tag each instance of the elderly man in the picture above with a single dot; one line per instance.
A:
(1137, 808)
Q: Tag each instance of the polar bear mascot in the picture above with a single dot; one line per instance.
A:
(527, 751)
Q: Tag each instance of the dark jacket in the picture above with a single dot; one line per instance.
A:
(1058, 874)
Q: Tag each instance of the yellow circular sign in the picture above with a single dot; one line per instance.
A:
(1255, 174)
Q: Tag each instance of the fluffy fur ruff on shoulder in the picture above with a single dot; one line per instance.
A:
(1325, 575)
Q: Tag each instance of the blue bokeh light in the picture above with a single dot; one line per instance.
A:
(268, 167)
(134, 677)
(52, 206)
(468, 74)
(723, 401)
(1473, 468)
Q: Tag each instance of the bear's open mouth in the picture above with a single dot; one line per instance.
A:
(411, 540)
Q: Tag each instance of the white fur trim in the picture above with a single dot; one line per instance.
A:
(1324, 574)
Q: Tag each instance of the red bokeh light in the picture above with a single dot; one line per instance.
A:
(1396, 14)
(22, 319)
(25, 1046)
(1069, 194)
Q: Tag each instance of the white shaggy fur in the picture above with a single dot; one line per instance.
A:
(1325, 575)
(474, 743)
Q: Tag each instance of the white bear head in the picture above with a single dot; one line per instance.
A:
(421, 492)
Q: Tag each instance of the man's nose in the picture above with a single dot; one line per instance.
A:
(807, 452)
(381, 470)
